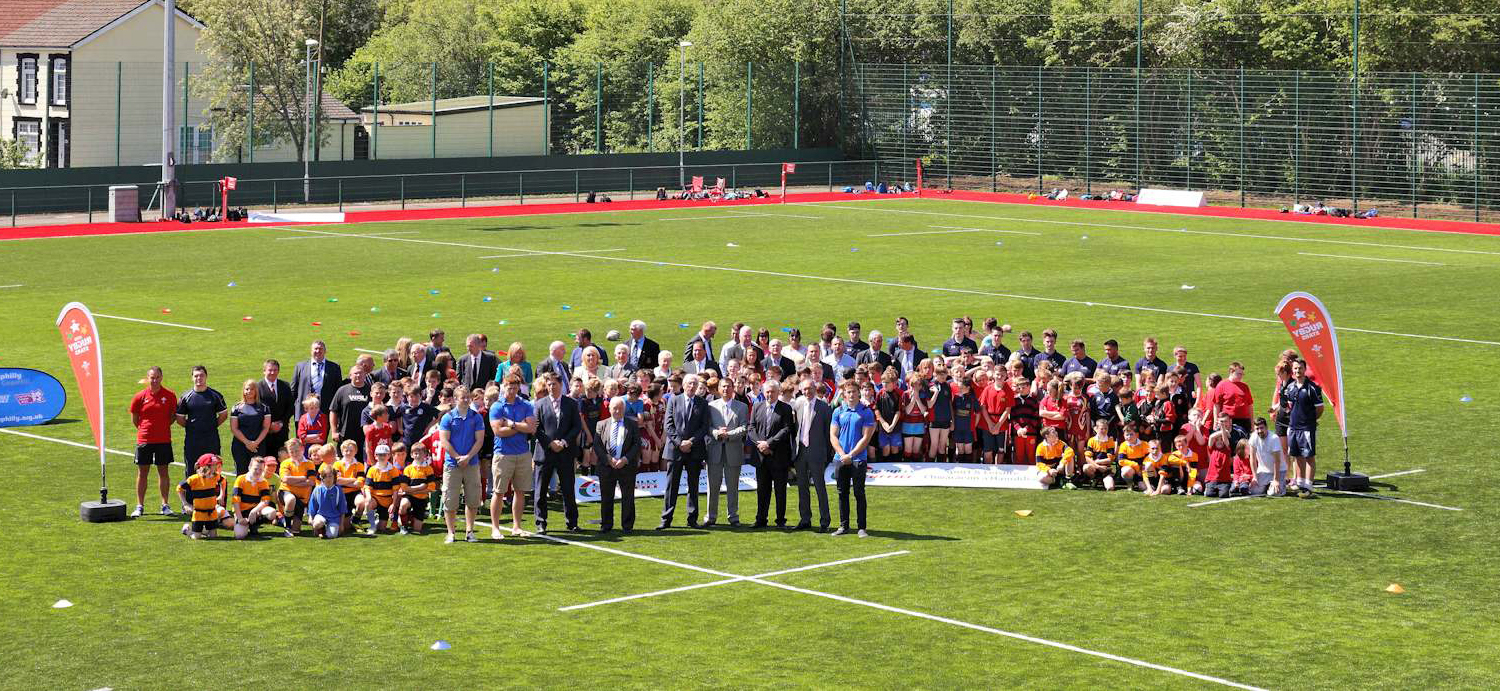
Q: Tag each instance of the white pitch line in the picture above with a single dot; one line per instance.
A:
(986, 230)
(148, 321)
(940, 289)
(80, 445)
(1372, 259)
(17, 285)
(539, 253)
(767, 213)
(367, 350)
(908, 612)
(727, 581)
(832, 205)
(351, 235)
(1403, 501)
(949, 231)
(1221, 501)
(713, 218)
(1404, 472)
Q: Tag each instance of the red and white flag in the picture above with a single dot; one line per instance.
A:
(81, 338)
(1307, 320)
(788, 167)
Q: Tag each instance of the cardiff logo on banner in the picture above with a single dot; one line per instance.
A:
(1307, 320)
(81, 338)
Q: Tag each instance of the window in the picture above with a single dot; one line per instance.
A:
(28, 131)
(59, 80)
(26, 78)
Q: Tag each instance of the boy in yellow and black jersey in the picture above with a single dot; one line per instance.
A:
(1054, 460)
(1131, 455)
(252, 502)
(383, 481)
(203, 493)
(1099, 456)
(298, 478)
(421, 478)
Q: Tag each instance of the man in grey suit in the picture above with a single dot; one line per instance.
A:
(699, 361)
(318, 376)
(558, 428)
(277, 396)
(771, 430)
(476, 369)
(813, 451)
(686, 445)
(391, 371)
(728, 420)
(617, 445)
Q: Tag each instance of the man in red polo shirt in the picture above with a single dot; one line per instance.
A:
(152, 412)
(1232, 397)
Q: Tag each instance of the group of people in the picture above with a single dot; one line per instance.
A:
(424, 429)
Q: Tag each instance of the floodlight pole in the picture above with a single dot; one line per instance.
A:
(682, 47)
(307, 119)
(168, 117)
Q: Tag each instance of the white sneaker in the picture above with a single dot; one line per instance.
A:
(166, 510)
(469, 537)
(495, 534)
(448, 540)
(371, 530)
(862, 533)
(139, 511)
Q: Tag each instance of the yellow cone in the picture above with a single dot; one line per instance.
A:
(1023, 513)
(1395, 589)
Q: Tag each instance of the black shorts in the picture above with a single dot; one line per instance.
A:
(299, 507)
(418, 508)
(1302, 443)
(1282, 426)
(153, 454)
(382, 512)
(349, 498)
(205, 526)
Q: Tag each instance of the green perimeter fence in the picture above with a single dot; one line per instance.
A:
(451, 188)
(1406, 144)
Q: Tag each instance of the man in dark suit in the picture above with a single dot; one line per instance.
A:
(771, 427)
(476, 369)
(318, 376)
(813, 451)
(558, 428)
(875, 352)
(391, 371)
(704, 336)
(686, 446)
(903, 328)
(617, 445)
(421, 361)
(278, 397)
(774, 357)
(643, 351)
(907, 355)
(557, 364)
(698, 361)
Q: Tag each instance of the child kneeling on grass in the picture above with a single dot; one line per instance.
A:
(1054, 461)
(204, 493)
(252, 499)
(1100, 461)
(383, 482)
(327, 507)
(1133, 453)
(421, 477)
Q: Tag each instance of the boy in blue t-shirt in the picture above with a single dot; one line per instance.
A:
(327, 505)
(850, 431)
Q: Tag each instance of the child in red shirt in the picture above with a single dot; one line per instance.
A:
(379, 431)
(1217, 479)
(1244, 473)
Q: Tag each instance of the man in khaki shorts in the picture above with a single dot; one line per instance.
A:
(513, 420)
(461, 434)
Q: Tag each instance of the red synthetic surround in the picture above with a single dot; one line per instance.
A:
(80, 229)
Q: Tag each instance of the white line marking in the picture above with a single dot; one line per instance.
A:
(986, 230)
(1221, 501)
(148, 321)
(367, 350)
(949, 230)
(752, 213)
(1372, 259)
(350, 235)
(713, 218)
(1404, 472)
(726, 581)
(80, 445)
(538, 253)
(17, 285)
(907, 612)
(830, 205)
(960, 291)
(1403, 501)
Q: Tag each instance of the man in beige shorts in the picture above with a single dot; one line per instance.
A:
(461, 434)
(513, 420)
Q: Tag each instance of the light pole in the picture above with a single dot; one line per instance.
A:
(307, 123)
(682, 47)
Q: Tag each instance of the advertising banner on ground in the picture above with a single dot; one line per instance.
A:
(29, 397)
(977, 475)
(1307, 320)
(81, 338)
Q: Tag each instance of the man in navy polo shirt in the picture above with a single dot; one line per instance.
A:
(1151, 360)
(960, 343)
(1305, 399)
(1080, 362)
(1048, 353)
(200, 412)
(849, 431)
(462, 435)
(1112, 363)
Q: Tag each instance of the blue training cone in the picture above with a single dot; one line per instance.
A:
(441, 645)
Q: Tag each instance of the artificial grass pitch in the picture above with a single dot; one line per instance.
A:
(1268, 593)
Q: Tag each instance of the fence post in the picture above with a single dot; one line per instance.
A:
(650, 107)
(375, 117)
(403, 192)
(575, 186)
(91, 203)
(906, 118)
(598, 107)
(877, 173)
(463, 190)
(1475, 155)
(830, 176)
(546, 110)
(797, 102)
(12, 208)
(1039, 189)
(434, 110)
(630, 184)
(1354, 132)
(119, 91)
(700, 105)
(341, 195)
(994, 168)
(1088, 109)
(734, 176)
(183, 137)
(274, 206)
(249, 119)
(491, 112)
(749, 103)
(521, 188)
(1242, 136)
(1413, 162)
(1189, 157)
(1297, 137)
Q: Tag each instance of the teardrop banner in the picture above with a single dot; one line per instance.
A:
(81, 339)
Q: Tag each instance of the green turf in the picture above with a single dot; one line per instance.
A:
(1270, 593)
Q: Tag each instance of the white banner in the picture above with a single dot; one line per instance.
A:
(284, 217)
(975, 475)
